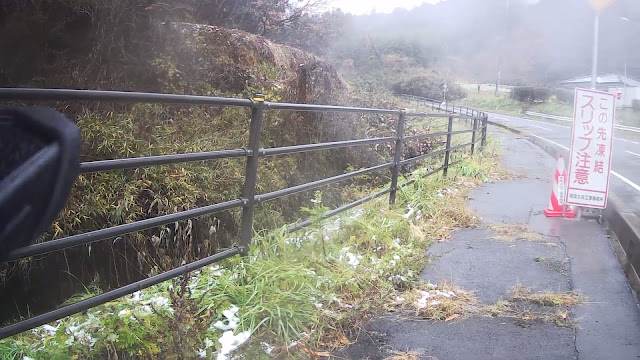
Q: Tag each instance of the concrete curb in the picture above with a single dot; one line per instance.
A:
(619, 219)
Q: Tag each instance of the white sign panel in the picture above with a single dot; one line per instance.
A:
(591, 148)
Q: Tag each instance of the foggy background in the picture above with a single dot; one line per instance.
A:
(544, 41)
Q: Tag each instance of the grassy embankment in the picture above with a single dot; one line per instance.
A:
(486, 100)
(296, 294)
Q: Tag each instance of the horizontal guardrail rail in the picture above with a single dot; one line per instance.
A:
(249, 198)
(568, 119)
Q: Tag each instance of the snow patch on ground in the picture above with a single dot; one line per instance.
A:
(423, 301)
(80, 335)
(231, 319)
(229, 341)
(351, 258)
(266, 347)
(411, 211)
(136, 296)
(50, 330)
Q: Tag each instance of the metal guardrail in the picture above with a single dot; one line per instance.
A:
(249, 197)
(463, 111)
(568, 119)
(548, 116)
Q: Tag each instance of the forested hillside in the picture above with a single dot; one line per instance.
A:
(144, 45)
(297, 51)
(140, 45)
(280, 48)
(540, 42)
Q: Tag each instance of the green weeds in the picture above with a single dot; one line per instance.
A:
(290, 296)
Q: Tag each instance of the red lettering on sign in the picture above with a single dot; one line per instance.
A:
(602, 133)
(603, 101)
(582, 168)
(588, 140)
(588, 104)
(582, 176)
(598, 166)
(583, 160)
(603, 118)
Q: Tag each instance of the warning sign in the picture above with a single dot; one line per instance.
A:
(591, 148)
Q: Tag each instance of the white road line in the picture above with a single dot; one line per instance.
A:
(553, 142)
(540, 127)
(536, 121)
(548, 123)
(562, 118)
(627, 128)
(629, 182)
(632, 153)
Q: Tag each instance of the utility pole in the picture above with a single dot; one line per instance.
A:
(598, 6)
(504, 40)
(594, 67)
(626, 57)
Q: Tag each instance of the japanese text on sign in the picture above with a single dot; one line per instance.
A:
(561, 189)
(591, 145)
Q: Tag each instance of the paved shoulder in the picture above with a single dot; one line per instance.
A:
(546, 288)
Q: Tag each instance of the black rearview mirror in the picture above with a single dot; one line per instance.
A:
(39, 161)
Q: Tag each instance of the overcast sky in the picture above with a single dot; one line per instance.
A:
(359, 7)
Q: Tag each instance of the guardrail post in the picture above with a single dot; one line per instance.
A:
(485, 122)
(397, 157)
(447, 154)
(251, 173)
(473, 135)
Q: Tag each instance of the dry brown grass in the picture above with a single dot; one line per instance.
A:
(560, 317)
(523, 315)
(409, 355)
(450, 213)
(445, 302)
(546, 298)
(507, 309)
(513, 232)
(464, 304)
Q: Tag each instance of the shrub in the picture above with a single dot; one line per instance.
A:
(564, 95)
(541, 94)
(430, 87)
(530, 94)
(522, 93)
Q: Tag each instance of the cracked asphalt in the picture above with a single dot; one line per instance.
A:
(573, 255)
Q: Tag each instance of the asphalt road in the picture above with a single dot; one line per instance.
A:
(573, 255)
(625, 174)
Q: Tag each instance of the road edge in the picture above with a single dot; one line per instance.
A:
(623, 225)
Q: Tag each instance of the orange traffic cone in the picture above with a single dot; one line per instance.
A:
(558, 193)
